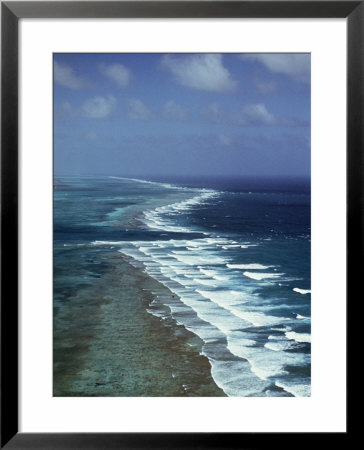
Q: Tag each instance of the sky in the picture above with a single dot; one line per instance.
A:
(182, 114)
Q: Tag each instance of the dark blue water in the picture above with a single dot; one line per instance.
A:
(234, 253)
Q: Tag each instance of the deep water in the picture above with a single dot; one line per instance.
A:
(218, 271)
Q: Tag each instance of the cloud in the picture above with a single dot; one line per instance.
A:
(295, 65)
(173, 111)
(256, 114)
(265, 87)
(118, 73)
(249, 115)
(65, 76)
(99, 107)
(138, 110)
(202, 72)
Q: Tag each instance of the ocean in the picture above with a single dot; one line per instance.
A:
(182, 287)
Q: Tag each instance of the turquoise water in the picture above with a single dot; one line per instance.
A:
(233, 256)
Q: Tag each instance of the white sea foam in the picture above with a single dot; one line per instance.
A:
(228, 246)
(236, 379)
(211, 313)
(220, 278)
(264, 363)
(296, 389)
(259, 319)
(206, 282)
(224, 298)
(247, 266)
(285, 328)
(158, 218)
(298, 337)
(198, 259)
(215, 274)
(96, 243)
(278, 346)
(218, 318)
(279, 343)
(302, 291)
(209, 273)
(219, 315)
(160, 314)
(261, 276)
(301, 317)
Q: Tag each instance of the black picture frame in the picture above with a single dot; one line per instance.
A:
(11, 12)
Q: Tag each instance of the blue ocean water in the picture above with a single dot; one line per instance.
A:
(235, 254)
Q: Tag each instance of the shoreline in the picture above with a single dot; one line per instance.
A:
(117, 348)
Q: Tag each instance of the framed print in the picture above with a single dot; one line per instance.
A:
(181, 194)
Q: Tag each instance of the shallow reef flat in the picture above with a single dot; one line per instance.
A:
(107, 344)
(167, 290)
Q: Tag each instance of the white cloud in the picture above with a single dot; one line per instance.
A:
(256, 114)
(65, 76)
(173, 111)
(118, 73)
(295, 65)
(253, 114)
(265, 87)
(138, 110)
(99, 107)
(203, 72)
